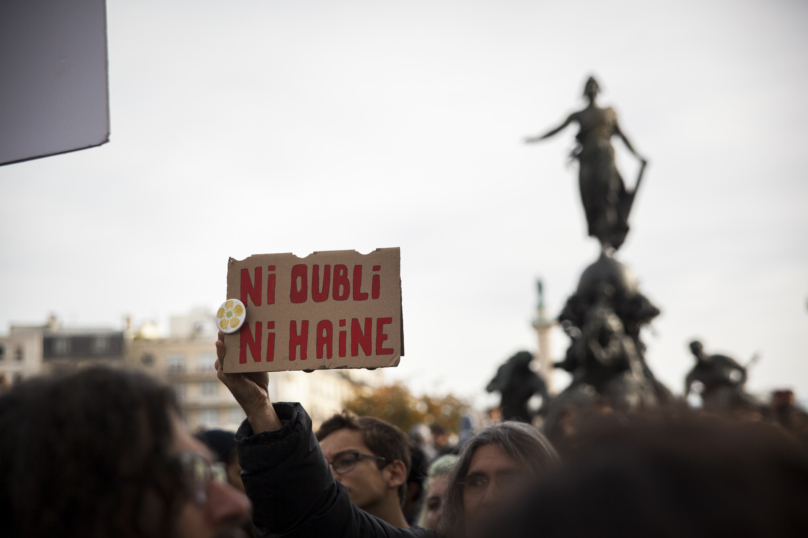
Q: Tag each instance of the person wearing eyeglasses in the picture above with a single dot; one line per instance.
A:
(294, 493)
(299, 488)
(103, 452)
(370, 457)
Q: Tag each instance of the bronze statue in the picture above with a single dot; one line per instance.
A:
(606, 201)
(722, 381)
(518, 383)
(606, 356)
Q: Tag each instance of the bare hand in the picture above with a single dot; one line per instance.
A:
(251, 391)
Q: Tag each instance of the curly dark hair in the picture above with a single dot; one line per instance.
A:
(88, 454)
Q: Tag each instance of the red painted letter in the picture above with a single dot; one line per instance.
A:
(381, 337)
(246, 340)
(357, 284)
(316, 294)
(342, 286)
(271, 286)
(325, 338)
(298, 294)
(247, 288)
(270, 341)
(301, 340)
(358, 338)
(376, 283)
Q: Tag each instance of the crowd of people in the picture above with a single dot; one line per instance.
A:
(103, 452)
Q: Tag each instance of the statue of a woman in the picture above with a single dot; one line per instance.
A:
(603, 193)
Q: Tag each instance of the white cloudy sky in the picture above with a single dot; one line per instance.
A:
(262, 126)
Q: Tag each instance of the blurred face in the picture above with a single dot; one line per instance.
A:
(367, 484)
(434, 500)
(221, 511)
(491, 479)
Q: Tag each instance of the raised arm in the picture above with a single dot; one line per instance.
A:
(286, 476)
(531, 140)
(251, 392)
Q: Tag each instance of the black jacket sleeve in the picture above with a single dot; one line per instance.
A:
(290, 485)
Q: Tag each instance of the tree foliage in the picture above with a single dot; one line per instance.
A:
(397, 405)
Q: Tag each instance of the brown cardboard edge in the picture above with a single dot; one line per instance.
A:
(231, 260)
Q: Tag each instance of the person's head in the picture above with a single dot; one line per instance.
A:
(696, 477)
(491, 467)
(591, 88)
(369, 456)
(522, 360)
(697, 349)
(436, 484)
(440, 436)
(223, 445)
(103, 452)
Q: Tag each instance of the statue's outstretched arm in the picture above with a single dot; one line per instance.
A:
(619, 133)
(532, 139)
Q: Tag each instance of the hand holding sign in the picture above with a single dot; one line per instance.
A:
(337, 309)
(251, 391)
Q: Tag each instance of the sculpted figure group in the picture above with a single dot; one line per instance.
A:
(518, 384)
(721, 380)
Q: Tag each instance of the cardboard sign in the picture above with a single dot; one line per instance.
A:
(338, 309)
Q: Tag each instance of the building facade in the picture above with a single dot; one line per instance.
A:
(29, 350)
(185, 359)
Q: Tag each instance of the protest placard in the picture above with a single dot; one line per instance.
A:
(337, 309)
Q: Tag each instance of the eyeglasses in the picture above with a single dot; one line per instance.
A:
(198, 473)
(347, 460)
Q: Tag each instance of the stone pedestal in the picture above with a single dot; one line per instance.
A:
(544, 359)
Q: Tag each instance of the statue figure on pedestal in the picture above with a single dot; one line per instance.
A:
(722, 381)
(518, 383)
(605, 315)
(606, 358)
(606, 201)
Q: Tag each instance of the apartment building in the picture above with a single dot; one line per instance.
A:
(184, 358)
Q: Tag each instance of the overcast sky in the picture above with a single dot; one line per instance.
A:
(253, 127)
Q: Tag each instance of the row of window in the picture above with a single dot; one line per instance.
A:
(176, 362)
(99, 346)
(19, 354)
(207, 389)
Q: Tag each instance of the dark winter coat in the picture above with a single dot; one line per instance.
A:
(293, 493)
